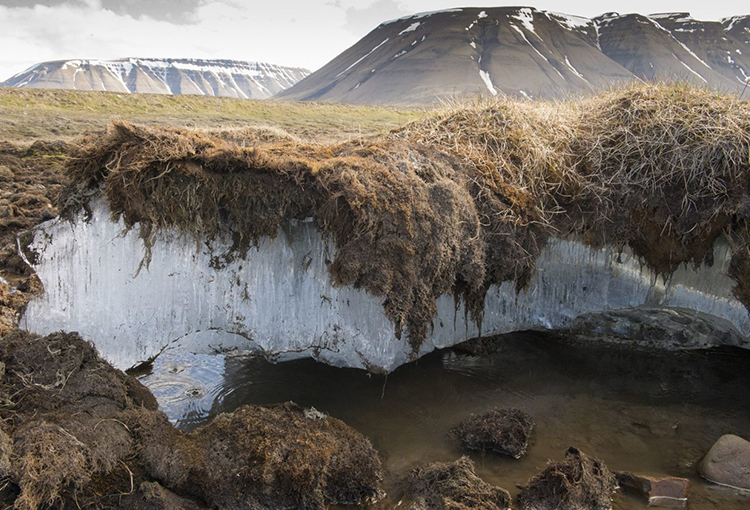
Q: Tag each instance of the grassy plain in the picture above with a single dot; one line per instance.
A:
(32, 114)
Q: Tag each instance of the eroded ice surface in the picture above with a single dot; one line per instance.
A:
(279, 299)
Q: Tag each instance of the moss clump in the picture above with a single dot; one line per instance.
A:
(263, 457)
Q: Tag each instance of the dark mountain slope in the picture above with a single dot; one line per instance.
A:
(424, 57)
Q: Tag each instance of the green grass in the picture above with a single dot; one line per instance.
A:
(29, 114)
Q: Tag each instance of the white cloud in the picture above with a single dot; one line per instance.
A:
(360, 19)
(283, 32)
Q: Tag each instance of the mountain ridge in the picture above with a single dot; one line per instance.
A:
(523, 51)
(211, 77)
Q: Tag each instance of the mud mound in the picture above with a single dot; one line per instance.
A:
(453, 486)
(504, 431)
(61, 405)
(456, 202)
(264, 457)
(577, 483)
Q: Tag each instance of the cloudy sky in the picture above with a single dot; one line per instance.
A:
(303, 33)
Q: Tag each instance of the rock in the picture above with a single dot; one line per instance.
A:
(579, 482)
(314, 414)
(452, 486)
(654, 327)
(728, 462)
(669, 492)
(504, 431)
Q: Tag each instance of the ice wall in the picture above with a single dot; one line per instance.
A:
(279, 299)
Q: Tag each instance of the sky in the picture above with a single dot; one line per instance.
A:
(299, 33)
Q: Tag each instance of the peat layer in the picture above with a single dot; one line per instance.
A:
(30, 180)
(456, 202)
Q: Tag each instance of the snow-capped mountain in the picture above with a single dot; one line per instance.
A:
(674, 45)
(228, 78)
(527, 52)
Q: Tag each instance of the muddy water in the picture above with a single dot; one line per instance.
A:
(653, 413)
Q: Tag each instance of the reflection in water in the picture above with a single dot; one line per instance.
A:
(654, 413)
(186, 385)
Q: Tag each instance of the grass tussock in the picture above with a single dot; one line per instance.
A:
(279, 456)
(504, 431)
(579, 482)
(456, 201)
(452, 486)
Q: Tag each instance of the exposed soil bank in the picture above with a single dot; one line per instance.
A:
(246, 303)
(75, 431)
(456, 203)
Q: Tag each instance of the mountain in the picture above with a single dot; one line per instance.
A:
(527, 52)
(674, 45)
(228, 78)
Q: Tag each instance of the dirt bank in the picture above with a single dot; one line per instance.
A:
(455, 203)
(31, 177)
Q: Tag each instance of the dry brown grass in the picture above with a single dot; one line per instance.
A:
(660, 167)
(455, 202)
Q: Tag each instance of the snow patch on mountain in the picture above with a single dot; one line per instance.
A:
(419, 15)
(410, 28)
(526, 17)
(488, 81)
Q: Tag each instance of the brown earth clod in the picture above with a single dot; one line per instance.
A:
(504, 431)
(579, 482)
(452, 486)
